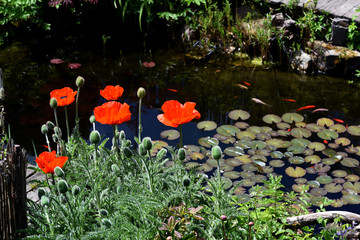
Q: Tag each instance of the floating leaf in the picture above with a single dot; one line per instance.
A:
(295, 172)
(246, 135)
(258, 144)
(255, 129)
(333, 187)
(278, 143)
(352, 150)
(157, 145)
(317, 146)
(339, 128)
(296, 160)
(342, 141)
(213, 163)
(234, 151)
(354, 130)
(244, 144)
(292, 117)
(196, 156)
(233, 162)
(349, 162)
(325, 122)
(314, 127)
(337, 203)
(300, 132)
(204, 167)
(208, 142)
(263, 136)
(227, 130)
(321, 168)
(236, 114)
(351, 198)
(328, 161)
(246, 174)
(170, 134)
(232, 174)
(271, 118)
(247, 182)
(244, 158)
(312, 159)
(258, 178)
(296, 149)
(226, 168)
(339, 173)
(192, 148)
(318, 191)
(338, 180)
(276, 154)
(266, 129)
(191, 165)
(313, 184)
(239, 190)
(283, 133)
(298, 187)
(300, 142)
(324, 179)
(243, 198)
(319, 200)
(300, 124)
(249, 167)
(352, 178)
(328, 134)
(300, 180)
(241, 125)
(277, 163)
(206, 125)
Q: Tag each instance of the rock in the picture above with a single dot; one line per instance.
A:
(278, 20)
(301, 61)
(339, 29)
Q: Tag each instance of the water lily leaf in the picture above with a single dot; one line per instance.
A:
(300, 124)
(329, 152)
(352, 178)
(268, 169)
(231, 175)
(288, 154)
(300, 132)
(349, 162)
(246, 135)
(276, 154)
(229, 140)
(249, 167)
(206, 125)
(255, 129)
(157, 145)
(208, 142)
(236, 114)
(204, 167)
(247, 182)
(339, 173)
(233, 162)
(277, 163)
(295, 172)
(352, 186)
(278, 143)
(313, 183)
(226, 168)
(325, 122)
(244, 158)
(292, 117)
(243, 198)
(170, 134)
(327, 134)
(339, 128)
(258, 144)
(192, 148)
(266, 129)
(196, 156)
(258, 178)
(262, 152)
(321, 168)
(244, 144)
(234, 151)
(317, 146)
(227, 130)
(339, 180)
(325, 179)
(342, 141)
(283, 133)
(241, 125)
(354, 130)
(319, 200)
(318, 191)
(296, 149)
(191, 165)
(239, 190)
(333, 187)
(298, 187)
(352, 149)
(271, 118)
(296, 160)
(246, 174)
(259, 158)
(282, 125)
(328, 161)
(300, 142)
(263, 136)
(314, 127)
(337, 203)
(351, 198)
(312, 159)
(300, 180)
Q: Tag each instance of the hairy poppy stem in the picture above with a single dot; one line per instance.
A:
(56, 118)
(140, 126)
(67, 123)
(77, 120)
(181, 136)
(48, 142)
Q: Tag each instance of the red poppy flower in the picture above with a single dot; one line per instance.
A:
(175, 113)
(64, 96)
(47, 161)
(113, 113)
(112, 92)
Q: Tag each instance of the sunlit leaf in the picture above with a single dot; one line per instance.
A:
(208, 142)
(342, 141)
(300, 142)
(300, 124)
(321, 168)
(263, 136)
(249, 167)
(295, 172)
(204, 167)
(328, 161)
(233, 162)
(354, 130)
(234, 151)
(317, 146)
(244, 144)
(325, 122)
(314, 127)
(278, 143)
(324, 179)
(337, 203)
(170, 134)
(206, 125)
(349, 162)
(190, 165)
(300, 180)
(296, 149)
(246, 174)
(276, 154)
(258, 144)
(236, 114)
(339, 173)
(196, 156)
(312, 159)
(241, 125)
(313, 183)
(232, 174)
(227, 130)
(352, 178)
(246, 135)
(351, 198)
(318, 191)
(327, 134)
(333, 187)
(339, 128)
(300, 132)
(296, 160)
(244, 158)
(277, 163)
(258, 178)
(292, 117)
(282, 125)
(271, 118)
(213, 163)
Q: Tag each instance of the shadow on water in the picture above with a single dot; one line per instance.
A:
(218, 85)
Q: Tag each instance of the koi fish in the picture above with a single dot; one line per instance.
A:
(242, 86)
(306, 107)
(338, 120)
(320, 110)
(172, 90)
(246, 83)
(288, 100)
(325, 141)
(218, 70)
(259, 101)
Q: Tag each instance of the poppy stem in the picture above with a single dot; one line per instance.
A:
(67, 123)
(77, 120)
(181, 136)
(140, 126)
(115, 140)
(48, 142)
(56, 118)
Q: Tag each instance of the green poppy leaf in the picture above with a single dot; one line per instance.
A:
(295, 172)
(206, 125)
(292, 117)
(236, 114)
(327, 134)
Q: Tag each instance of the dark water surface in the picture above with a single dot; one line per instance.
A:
(211, 83)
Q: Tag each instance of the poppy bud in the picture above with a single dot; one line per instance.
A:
(141, 92)
(55, 138)
(161, 153)
(106, 222)
(44, 129)
(50, 125)
(63, 187)
(57, 131)
(59, 172)
(186, 181)
(216, 152)
(181, 154)
(75, 190)
(44, 200)
(41, 192)
(128, 153)
(147, 143)
(128, 143)
(122, 134)
(103, 212)
(142, 150)
(80, 81)
(95, 137)
(53, 103)
(117, 135)
(223, 217)
(115, 168)
(92, 119)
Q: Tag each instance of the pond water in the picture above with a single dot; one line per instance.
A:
(217, 84)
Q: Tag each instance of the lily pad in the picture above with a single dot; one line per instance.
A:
(241, 125)
(246, 135)
(249, 167)
(295, 172)
(258, 178)
(333, 187)
(325, 122)
(314, 127)
(354, 130)
(227, 130)
(232, 175)
(196, 156)
(300, 133)
(312, 159)
(204, 167)
(277, 163)
(157, 145)
(328, 161)
(351, 198)
(191, 165)
(282, 125)
(233, 162)
(296, 160)
(325, 179)
(321, 168)
(213, 163)
(319, 200)
(278, 143)
(263, 136)
(170, 134)
(236, 114)
(206, 125)
(300, 124)
(226, 168)
(283, 133)
(276, 154)
(244, 158)
(339, 128)
(313, 183)
(298, 187)
(342, 141)
(352, 149)
(338, 180)
(339, 173)
(317, 146)
(318, 191)
(244, 144)
(349, 162)
(296, 149)
(247, 182)
(234, 151)
(271, 118)
(328, 134)
(300, 180)
(239, 190)
(292, 117)
(246, 174)
(255, 129)
(258, 144)
(352, 178)
(208, 142)
(300, 142)
(243, 198)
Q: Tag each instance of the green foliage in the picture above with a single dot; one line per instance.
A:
(353, 35)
